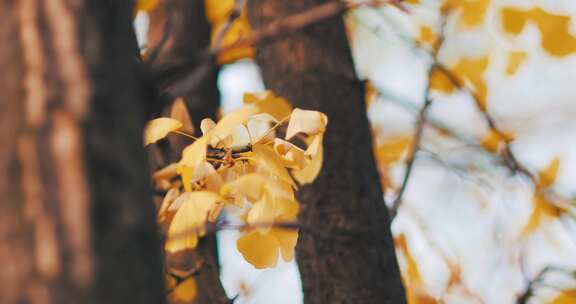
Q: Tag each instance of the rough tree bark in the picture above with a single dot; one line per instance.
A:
(185, 21)
(314, 70)
(77, 223)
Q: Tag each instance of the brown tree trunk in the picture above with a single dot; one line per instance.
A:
(185, 21)
(313, 69)
(189, 37)
(77, 223)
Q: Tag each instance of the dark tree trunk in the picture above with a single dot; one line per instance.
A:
(313, 69)
(190, 36)
(77, 223)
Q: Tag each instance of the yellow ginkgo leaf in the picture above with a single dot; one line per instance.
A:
(159, 128)
(293, 156)
(307, 122)
(280, 189)
(309, 173)
(146, 5)
(547, 177)
(263, 213)
(179, 112)
(194, 154)
(565, 297)
(259, 127)
(230, 121)
(259, 249)
(287, 239)
(271, 162)
(269, 103)
(185, 291)
(188, 222)
(250, 186)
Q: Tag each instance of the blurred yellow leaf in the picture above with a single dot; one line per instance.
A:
(472, 12)
(495, 140)
(218, 12)
(159, 128)
(259, 249)
(262, 249)
(194, 154)
(389, 152)
(268, 102)
(186, 291)
(188, 222)
(427, 36)
(146, 5)
(471, 71)
(565, 297)
(555, 32)
(515, 60)
(307, 122)
(541, 207)
(411, 275)
(547, 177)
(440, 82)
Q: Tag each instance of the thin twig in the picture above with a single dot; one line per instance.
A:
(420, 124)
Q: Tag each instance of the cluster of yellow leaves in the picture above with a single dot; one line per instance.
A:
(469, 71)
(240, 162)
(556, 38)
(218, 14)
(472, 12)
(411, 276)
(542, 207)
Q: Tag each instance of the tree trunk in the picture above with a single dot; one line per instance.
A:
(77, 223)
(189, 32)
(313, 69)
(189, 36)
